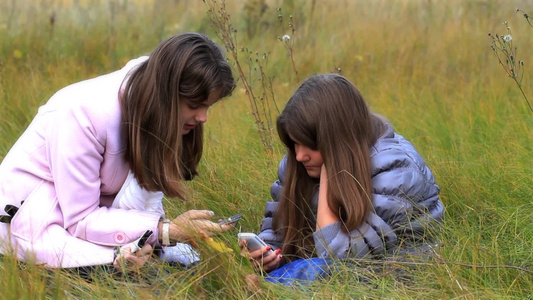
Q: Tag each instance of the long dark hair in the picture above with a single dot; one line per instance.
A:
(326, 113)
(186, 66)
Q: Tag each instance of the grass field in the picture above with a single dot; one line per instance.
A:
(425, 65)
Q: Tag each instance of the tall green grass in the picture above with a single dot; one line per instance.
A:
(425, 65)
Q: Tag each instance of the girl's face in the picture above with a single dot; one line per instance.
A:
(194, 113)
(311, 159)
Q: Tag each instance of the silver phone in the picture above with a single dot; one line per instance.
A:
(252, 241)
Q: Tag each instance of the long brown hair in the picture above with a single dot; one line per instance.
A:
(186, 66)
(326, 113)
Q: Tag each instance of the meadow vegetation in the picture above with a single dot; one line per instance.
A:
(426, 65)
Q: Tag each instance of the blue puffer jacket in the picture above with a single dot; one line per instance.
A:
(405, 205)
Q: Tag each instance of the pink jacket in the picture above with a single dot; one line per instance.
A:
(67, 167)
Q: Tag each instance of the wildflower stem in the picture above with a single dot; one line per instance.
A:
(289, 43)
(528, 18)
(524, 95)
(506, 53)
(260, 108)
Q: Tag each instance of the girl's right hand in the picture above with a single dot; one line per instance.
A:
(261, 258)
(193, 224)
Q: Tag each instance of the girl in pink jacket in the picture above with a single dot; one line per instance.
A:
(59, 181)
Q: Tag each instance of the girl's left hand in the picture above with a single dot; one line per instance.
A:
(126, 259)
(262, 258)
(325, 215)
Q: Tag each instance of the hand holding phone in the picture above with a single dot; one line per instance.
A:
(253, 242)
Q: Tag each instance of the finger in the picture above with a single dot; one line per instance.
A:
(271, 261)
(117, 260)
(260, 253)
(272, 264)
(266, 263)
(323, 171)
(199, 214)
(203, 235)
(208, 227)
(270, 257)
(145, 250)
(125, 252)
(226, 227)
(138, 261)
(140, 257)
(215, 227)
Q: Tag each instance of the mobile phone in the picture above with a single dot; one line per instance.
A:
(144, 238)
(230, 220)
(252, 241)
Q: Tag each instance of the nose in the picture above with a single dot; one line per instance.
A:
(201, 116)
(302, 155)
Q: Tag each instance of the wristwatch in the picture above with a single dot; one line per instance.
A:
(165, 234)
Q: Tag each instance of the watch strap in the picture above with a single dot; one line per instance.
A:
(165, 235)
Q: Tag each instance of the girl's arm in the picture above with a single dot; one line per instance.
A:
(76, 146)
(331, 240)
(374, 237)
(405, 202)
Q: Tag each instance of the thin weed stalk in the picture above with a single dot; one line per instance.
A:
(506, 53)
(288, 40)
(3, 94)
(260, 107)
(528, 18)
(267, 99)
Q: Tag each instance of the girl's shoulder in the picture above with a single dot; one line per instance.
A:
(393, 151)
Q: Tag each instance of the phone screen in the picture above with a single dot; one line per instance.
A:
(144, 238)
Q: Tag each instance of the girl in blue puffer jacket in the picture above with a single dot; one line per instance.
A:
(349, 186)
